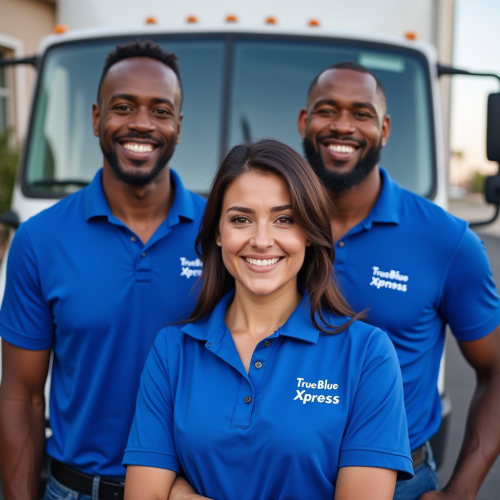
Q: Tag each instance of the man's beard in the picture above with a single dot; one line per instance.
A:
(338, 182)
(137, 179)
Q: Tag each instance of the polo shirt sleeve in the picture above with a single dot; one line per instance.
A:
(469, 299)
(377, 432)
(26, 317)
(151, 439)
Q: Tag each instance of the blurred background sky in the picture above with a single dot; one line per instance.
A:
(477, 47)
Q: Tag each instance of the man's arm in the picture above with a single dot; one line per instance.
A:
(22, 420)
(481, 444)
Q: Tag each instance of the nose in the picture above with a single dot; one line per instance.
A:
(342, 124)
(141, 121)
(262, 237)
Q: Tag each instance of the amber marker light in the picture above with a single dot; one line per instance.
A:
(60, 28)
(271, 20)
(192, 19)
(411, 35)
(314, 22)
(231, 19)
(151, 20)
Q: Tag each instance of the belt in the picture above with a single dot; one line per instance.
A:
(418, 456)
(83, 483)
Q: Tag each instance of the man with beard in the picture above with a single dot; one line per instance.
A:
(92, 280)
(413, 267)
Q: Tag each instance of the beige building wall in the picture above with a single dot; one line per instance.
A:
(23, 23)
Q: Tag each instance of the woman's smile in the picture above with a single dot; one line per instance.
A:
(262, 246)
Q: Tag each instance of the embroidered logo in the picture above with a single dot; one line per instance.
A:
(306, 397)
(393, 280)
(190, 267)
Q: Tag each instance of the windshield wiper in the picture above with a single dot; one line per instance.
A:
(59, 182)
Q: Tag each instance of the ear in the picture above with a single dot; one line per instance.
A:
(308, 243)
(386, 130)
(218, 240)
(96, 113)
(301, 123)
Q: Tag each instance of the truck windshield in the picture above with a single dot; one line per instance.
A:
(236, 88)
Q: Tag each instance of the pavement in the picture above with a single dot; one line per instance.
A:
(459, 376)
(474, 209)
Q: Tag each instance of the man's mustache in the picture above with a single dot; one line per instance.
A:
(340, 137)
(135, 135)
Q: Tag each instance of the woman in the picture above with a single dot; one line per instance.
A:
(272, 389)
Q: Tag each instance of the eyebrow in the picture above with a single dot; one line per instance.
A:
(130, 97)
(246, 210)
(281, 208)
(240, 209)
(368, 105)
(127, 97)
(356, 105)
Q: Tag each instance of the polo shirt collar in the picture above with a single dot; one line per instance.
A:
(386, 208)
(298, 325)
(96, 204)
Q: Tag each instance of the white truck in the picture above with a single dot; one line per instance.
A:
(245, 69)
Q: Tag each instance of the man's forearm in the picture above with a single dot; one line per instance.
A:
(22, 442)
(481, 445)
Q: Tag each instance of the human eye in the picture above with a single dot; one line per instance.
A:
(362, 114)
(284, 220)
(123, 107)
(240, 220)
(325, 111)
(163, 112)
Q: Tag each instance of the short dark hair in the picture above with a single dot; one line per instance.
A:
(352, 66)
(312, 210)
(139, 49)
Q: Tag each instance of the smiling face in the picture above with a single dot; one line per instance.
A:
(344, 127)
(262, 247)
(138, 119)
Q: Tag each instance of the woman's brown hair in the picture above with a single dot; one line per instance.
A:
(311, 210)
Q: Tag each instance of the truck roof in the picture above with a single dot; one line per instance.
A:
(86, 34)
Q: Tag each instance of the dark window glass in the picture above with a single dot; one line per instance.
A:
(269, 80)
(269, 85)
(63, 148)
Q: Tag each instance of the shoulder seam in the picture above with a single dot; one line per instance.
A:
(450, 260)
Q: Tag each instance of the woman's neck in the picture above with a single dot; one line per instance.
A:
(259, 316)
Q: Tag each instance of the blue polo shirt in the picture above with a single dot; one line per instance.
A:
(416, 268)
(311, 403)
(82, 283)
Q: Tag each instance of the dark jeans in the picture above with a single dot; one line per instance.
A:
(424, 480)
(56, 491)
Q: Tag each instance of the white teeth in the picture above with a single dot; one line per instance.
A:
(258, 262)
(340, 149)
(138, 148)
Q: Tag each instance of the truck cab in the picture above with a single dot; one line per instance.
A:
(240, 83)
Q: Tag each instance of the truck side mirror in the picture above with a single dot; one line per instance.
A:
(492, 183)
(492, 189)
(493, 129)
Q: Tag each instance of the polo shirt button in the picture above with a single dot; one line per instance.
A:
(134, 238)
(143, 254)
(341, 244)
(267, 343)
(210, 344)
(247, 399)
(258, 364)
